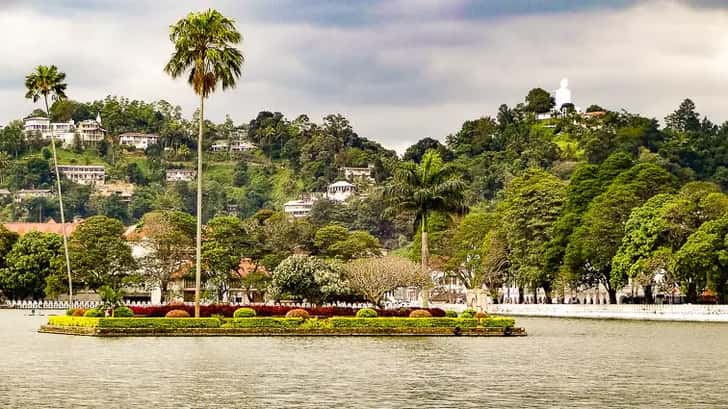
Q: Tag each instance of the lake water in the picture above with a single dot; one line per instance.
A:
(562, 363)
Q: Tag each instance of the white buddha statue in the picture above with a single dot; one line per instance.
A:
(563, 94)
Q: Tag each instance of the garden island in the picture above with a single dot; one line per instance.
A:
(275, 320)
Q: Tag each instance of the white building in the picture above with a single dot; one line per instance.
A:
(340, 191)
(138, 140)
(90, 130)
(352, 174)
(84, 174)
(26, 194)
(180, 175)
(38, 125)
(241, 146)
(299, 208)
(220, 146)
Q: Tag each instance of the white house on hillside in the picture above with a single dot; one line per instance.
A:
(138, 140)
(180, 175)
(84, 174)
(340, 191)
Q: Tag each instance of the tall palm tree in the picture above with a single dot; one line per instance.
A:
(423, 188)
(204, 45)
(47, 81)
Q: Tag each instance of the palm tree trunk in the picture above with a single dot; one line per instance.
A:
(60, 205)
(198, 249)
(425, 257)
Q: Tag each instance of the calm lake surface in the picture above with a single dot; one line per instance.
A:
(562, 363)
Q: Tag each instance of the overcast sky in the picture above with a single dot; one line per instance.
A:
(400, 70)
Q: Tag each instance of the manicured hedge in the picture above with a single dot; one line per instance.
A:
(263, 322)
(272, 310)
(344, 322)
(159, 323)
(502, 322)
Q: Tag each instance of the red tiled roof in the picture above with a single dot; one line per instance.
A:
(50, 227)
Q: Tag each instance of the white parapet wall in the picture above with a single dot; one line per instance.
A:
(648, 312)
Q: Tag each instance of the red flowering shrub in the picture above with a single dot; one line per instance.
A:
(481, 315)
(78, 312)
(272, 310)
(177, 314)
(298, 313)
(420, 314)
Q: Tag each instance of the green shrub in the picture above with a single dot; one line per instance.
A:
(420, 314)
(95, 313)
(264, 322)
(70, 311)
(451, 314)
(501, 322)
(298, 313)
(244, 312)
(123, 312)
(366, 313)
(159, 323)
(69, 321)
(469, 313)
(177, 314)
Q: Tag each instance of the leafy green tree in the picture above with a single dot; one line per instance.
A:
(466, 258)
(685, 118)
(7, 241)
(167, 237)
(531, 207)
(33, 258)
(329, 235)
(205, 46)
(47, 81)
(112, 206)
(12, 140)
(101, 256)
(416, 152)
(307, 278)
(703, 260)
(587, 182)
(422, 189)
(226, 243)
(595, 242)
(539, 101)
(357, 244)
(643, 235)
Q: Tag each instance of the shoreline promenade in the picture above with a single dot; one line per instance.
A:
(641, 312)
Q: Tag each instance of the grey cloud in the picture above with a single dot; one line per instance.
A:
(399, 70)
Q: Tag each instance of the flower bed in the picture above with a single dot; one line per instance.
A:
(280, 326)
(89, 322)
(273, 310)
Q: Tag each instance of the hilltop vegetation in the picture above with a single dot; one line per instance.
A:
(570, 201)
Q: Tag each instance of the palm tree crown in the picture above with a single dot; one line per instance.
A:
(425, 187)
(204, 46)
(45, 81)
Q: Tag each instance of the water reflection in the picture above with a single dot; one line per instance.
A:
(562, 363)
